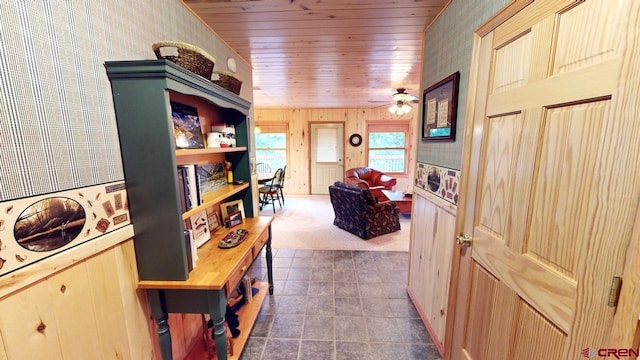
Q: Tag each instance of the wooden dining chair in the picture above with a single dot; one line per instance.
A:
(263, 168)
(281, 186)
(270, 192)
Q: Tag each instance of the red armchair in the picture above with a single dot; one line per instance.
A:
(372, 179)
(367, 178)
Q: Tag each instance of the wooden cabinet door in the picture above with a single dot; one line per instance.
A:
(550, 196)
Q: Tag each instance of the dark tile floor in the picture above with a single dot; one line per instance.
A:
(330, 304)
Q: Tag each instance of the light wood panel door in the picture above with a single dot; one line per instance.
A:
(550, 195)
(327, 152)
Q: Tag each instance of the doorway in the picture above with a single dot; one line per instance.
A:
(327, 152)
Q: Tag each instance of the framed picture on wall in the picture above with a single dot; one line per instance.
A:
(439, 109)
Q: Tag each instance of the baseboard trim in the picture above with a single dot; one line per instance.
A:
(436, 341)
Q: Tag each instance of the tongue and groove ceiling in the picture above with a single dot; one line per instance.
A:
(325, 53)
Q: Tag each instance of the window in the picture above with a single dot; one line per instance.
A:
(327, 146)
(387, 147)
(271, 145)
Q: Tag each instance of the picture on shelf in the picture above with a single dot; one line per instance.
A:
(200, 227)
(214, 221)
(235, 219)
(186, 126)
(230, 207)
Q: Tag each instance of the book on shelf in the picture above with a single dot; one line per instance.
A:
(190, 247)
(186, 126)
(183, 189)
(190, 184)
(210, 177)
(195, 181)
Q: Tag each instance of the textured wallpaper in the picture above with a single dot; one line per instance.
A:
(58, 128)
(447, 49)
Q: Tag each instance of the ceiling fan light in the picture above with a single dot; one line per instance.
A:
(400, 95)
(406, 108)
(393, 108)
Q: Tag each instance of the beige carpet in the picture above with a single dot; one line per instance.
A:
(306, 222)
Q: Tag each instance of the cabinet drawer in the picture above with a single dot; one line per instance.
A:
(238, 272)
(260, 243)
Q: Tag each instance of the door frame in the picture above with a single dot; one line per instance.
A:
(310, 148)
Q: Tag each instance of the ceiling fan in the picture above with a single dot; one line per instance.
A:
(400, 95)
(402, 102)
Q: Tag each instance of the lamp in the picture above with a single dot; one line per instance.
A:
(257, 129)
(402, 102)
(400, 108)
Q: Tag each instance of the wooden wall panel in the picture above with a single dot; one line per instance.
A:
(432, 244)
(421, 253)
(29, 327)
(75, 309)
(104, 284)
(186, 331)
(134, 303)
(355, 121)
(89, 309)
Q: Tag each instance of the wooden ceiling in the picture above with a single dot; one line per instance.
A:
(325, 53)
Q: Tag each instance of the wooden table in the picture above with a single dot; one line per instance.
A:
(264, 177)
(402, 201)
(207, 290)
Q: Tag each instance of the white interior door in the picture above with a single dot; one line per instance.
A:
(327, 152)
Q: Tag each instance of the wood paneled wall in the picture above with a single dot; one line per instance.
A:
(355, 121)
(81, 303)
(432, 242)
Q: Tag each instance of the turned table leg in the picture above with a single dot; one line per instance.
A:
(159, 313)
(217, 309)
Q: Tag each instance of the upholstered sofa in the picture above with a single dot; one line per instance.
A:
(360, 213)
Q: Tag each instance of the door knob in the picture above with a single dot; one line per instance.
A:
(464, 240)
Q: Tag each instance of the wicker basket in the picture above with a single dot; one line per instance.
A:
(189, 57)
(228, 81)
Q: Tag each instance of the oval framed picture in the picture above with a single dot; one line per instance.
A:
(355, 140)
